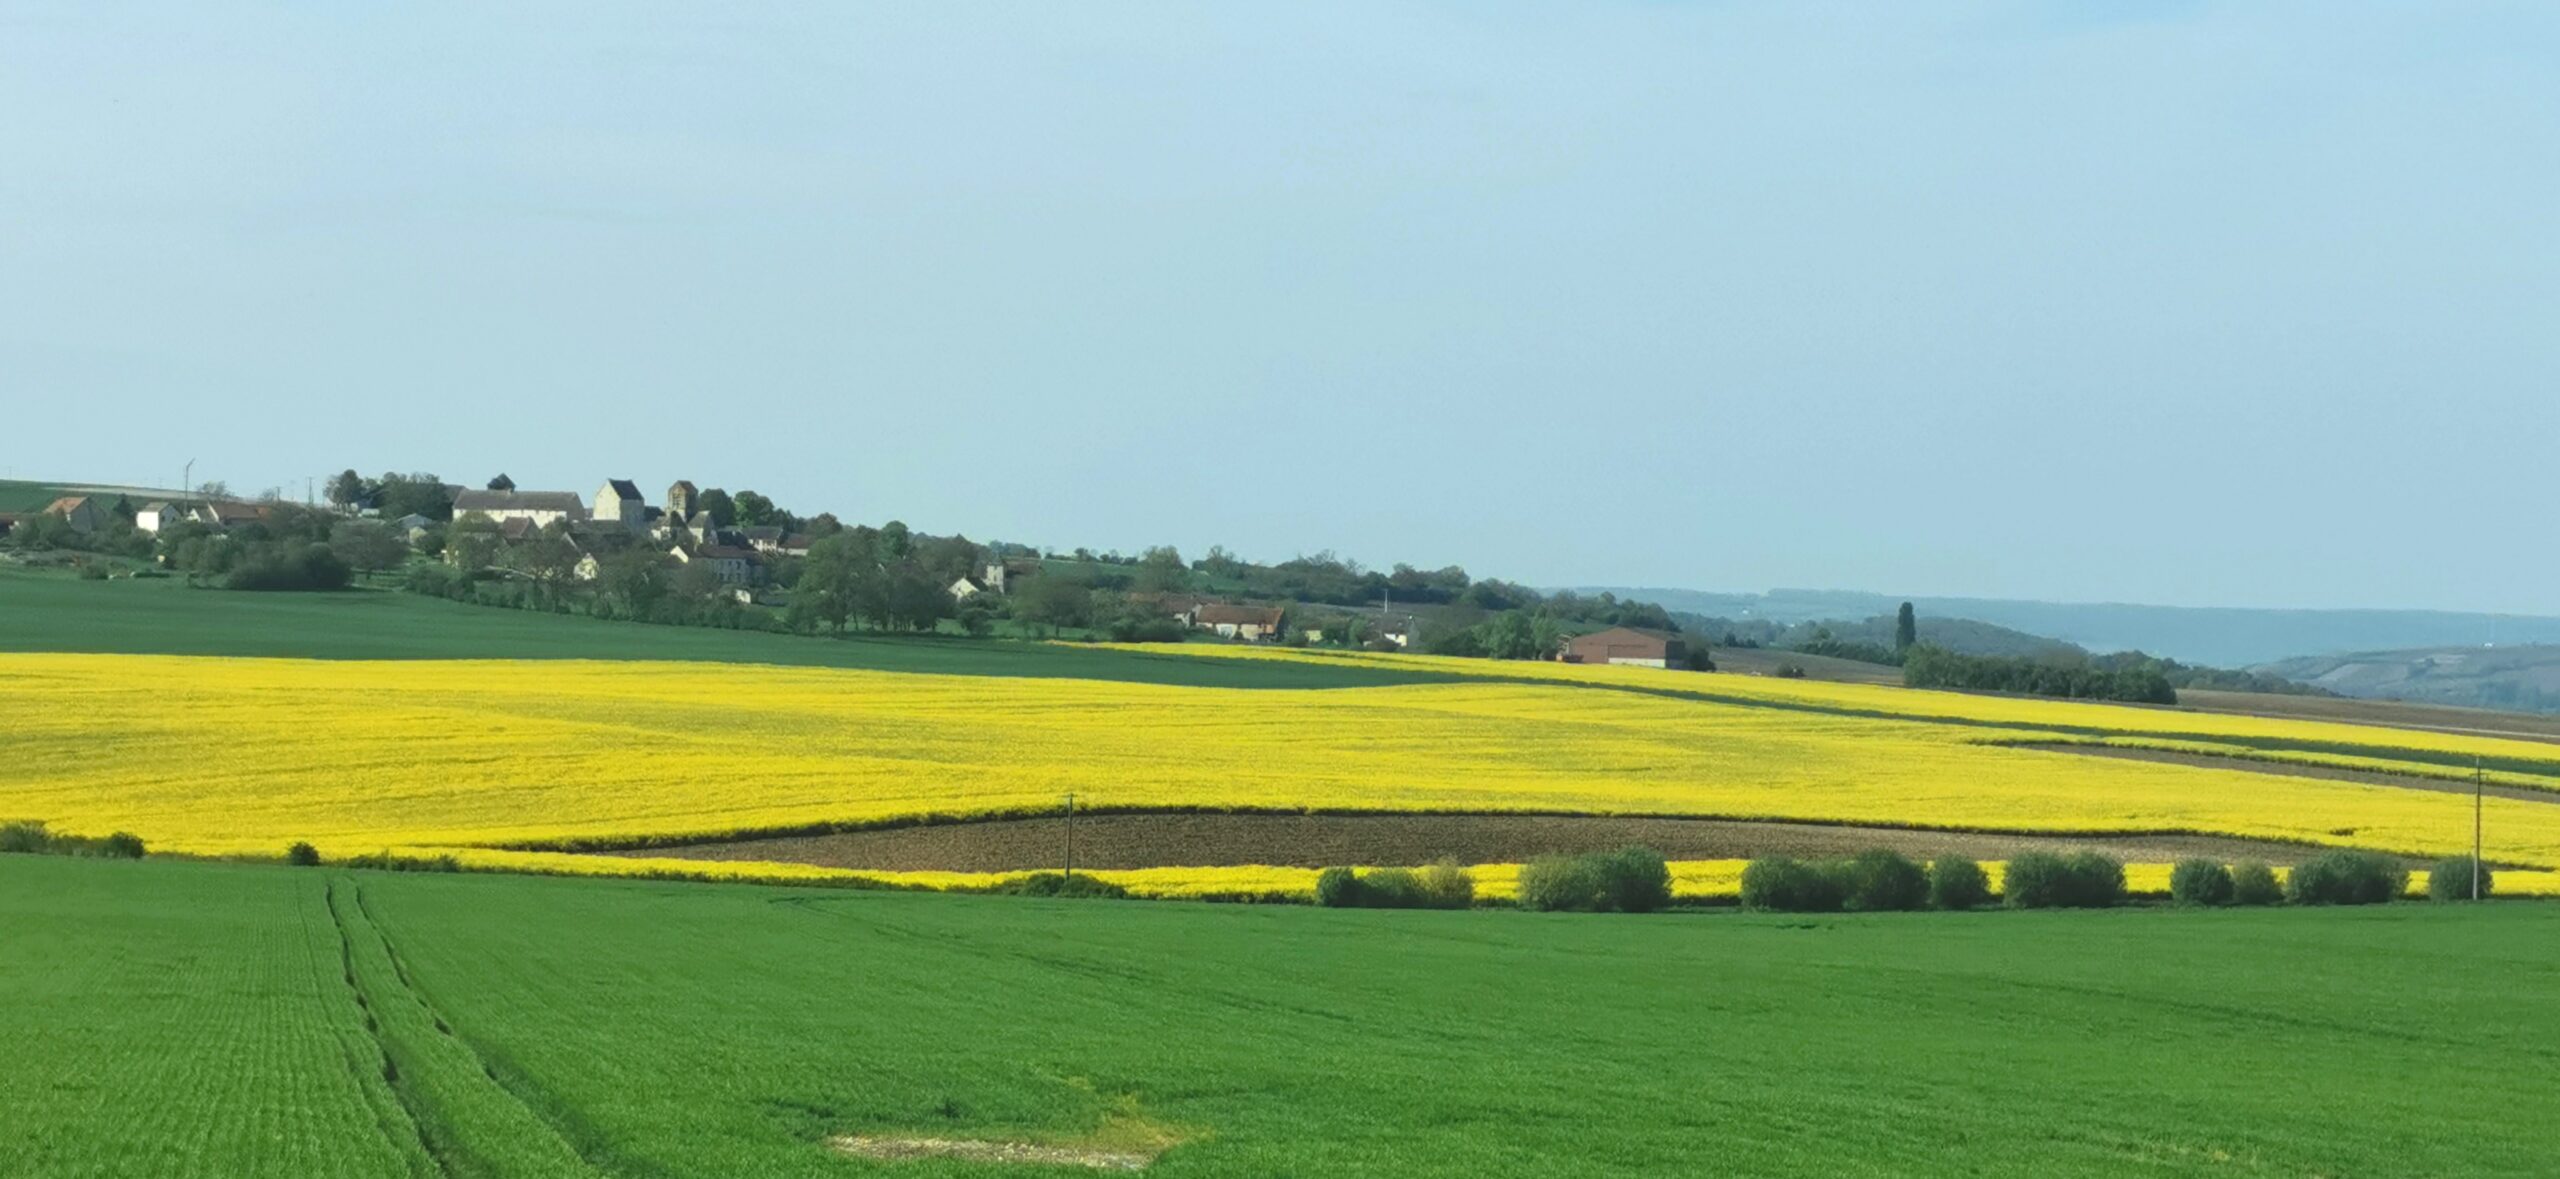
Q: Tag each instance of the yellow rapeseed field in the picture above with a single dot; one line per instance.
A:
(242, 756)
(2352, 746)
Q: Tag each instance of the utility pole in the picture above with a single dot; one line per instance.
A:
(1071, 837)
(187, 481)
(2479, 787)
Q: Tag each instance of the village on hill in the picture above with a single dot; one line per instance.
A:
(706, 557)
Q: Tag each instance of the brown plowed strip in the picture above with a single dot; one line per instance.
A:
(2248, 765)
(1313, 841)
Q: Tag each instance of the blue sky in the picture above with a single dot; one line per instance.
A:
(2179, 303)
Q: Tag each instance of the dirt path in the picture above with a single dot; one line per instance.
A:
(2328, 773)
(1186, 840)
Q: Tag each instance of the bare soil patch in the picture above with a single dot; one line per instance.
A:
(2328, 773)
(1314, 841)
(976, 1150)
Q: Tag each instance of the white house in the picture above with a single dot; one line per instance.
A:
(1253, 624)
(733, 566)
(619, 501)
(537, 507)
(84, 513)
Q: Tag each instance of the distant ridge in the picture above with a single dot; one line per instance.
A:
(2213, 635)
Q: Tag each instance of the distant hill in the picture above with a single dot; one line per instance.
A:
(2222, 637)
(1961, 635)
(2522, 678)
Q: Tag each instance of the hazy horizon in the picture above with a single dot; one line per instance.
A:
(2171, 304)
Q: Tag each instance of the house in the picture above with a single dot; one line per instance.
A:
(964, 589)
(730, 564)
(158, 514)
(681, 495)
(619, 501)
(412, 526)
(999, 575)
(1627, 645)
(540, 507)
(1253, 624)
(794, 544)
(222, 514)
(84, 513)
(1182, 608)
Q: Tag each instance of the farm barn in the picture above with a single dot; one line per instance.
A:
(1626, 644)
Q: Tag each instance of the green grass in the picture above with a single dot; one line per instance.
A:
(56, 611)
(19, 495)
(172, 1019)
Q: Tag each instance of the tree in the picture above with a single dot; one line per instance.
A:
(473, 542)
(367, 545)
(502, 483)
(716, 502)
(1161, 571)
(1906, 629)
(829, 584)
(349, 490)
(1054, 600)
(755, 511)
(1221, 563)
(915, 600)
(418, 493)
(549, 556)
(635, 582)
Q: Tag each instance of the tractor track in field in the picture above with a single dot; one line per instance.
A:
(411, 1105)
(450, 1158)
(2289, 769)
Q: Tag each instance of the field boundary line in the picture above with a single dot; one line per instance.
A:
(600, 845)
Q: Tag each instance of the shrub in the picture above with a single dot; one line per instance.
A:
(123, 845)
(1391, 888)
(2082, 880)
(2036, 880)
(2450, 880)
(2097, 881)
(2254, 883)
(1957, 883)
(1633, 880)
(1882, 881)
(1781, 884)
(1059, 884)
(1338, 888)
(23, 837)
(2200, 882)
(1552, 884)
(280, 567)
(302, 855)
(2344, 877)
(1445, 885)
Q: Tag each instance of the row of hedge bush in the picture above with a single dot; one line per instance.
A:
(2339, 877)
(1885, 881)
(31, 838)
(1444, 885)
(1629, 880)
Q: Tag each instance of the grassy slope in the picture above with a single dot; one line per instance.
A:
(49, 611)
(649, 1029)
